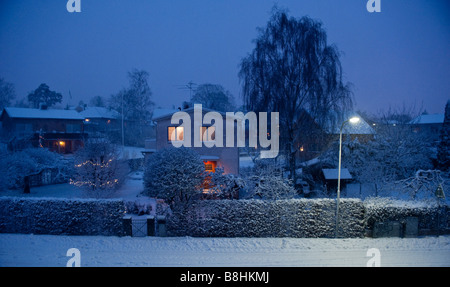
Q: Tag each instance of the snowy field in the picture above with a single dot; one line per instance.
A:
(49, 250)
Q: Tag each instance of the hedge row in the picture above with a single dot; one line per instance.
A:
(61, 216)
(258, 218)
(217, 218)
(379, 210)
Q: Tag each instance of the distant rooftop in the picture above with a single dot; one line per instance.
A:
(26, 113)
(99, 113)
(162, 112)
(428, 119)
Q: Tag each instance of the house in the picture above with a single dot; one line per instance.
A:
(213, 157)
(99, 120)
(61, 131)
(313, 136)
(428, 126)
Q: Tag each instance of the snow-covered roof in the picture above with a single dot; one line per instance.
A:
(26, 113)
(428, 119)
(99, 113)
(167, 113)
(162, 112)
(332, 173)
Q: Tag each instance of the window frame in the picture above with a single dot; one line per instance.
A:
(176, 130)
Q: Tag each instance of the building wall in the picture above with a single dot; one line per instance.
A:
(16, 125)
(59, 135)
(228, 156)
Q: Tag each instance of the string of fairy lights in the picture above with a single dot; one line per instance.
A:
(96, 181)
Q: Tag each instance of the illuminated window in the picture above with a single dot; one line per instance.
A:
(175, 133)
(207, 134)
(210, 166)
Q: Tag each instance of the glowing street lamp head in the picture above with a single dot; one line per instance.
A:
(354, 120)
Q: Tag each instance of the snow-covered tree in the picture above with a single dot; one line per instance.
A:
(14, 166)
(423, 184)
(267, 182)
(174, 174)
(395, 154)
(98, 168)
(443, 154)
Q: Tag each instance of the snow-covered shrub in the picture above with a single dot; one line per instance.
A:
(267, 182)
(99, 171)
(174, 174)
(273, 218)
(138, 207)
(16, 165)
(388, 209)
(223, 186)
(61, 216)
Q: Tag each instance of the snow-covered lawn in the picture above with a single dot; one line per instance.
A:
(130, 190)
(48, 250)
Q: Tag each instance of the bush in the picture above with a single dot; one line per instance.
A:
(224, 186)
(174, 174)
(16, 165)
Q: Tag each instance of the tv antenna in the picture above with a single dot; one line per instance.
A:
(189, 86)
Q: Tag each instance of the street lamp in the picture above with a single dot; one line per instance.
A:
(353, 120)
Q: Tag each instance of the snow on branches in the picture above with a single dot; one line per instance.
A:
(98, 169)
(174, 174)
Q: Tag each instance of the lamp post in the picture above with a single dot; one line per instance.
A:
(352, 120)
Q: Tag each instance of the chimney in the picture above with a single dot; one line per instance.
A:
(43, 106)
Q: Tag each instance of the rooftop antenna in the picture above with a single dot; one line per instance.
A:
(189, 86)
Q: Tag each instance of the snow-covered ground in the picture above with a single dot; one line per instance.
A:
(130, 190)
(48, 250)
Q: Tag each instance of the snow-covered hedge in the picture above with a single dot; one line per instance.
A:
(386, 209)
(61, 216)
(261, 218)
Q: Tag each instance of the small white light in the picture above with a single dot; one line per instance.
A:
(354, 120)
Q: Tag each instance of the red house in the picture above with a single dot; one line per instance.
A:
(61, 131)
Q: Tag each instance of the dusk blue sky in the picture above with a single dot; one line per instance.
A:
(400, 56)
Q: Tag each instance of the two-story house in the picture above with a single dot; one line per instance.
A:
(213, 157)
(57, 130)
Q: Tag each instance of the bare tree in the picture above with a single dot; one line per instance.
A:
(293, 69)
(7, 93)
(136, 106)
